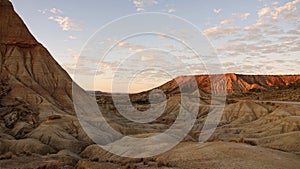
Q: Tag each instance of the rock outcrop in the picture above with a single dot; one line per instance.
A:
(37, 114)
(233, 83)
(33, 76)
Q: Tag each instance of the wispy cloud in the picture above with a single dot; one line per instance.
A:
(136, 49)
(72, 37)
(274, 12)
(275, 33)
(244, 16)
(290, 6)
(107, 66)
(53, 11)
(217, 11)
(217, 32)
(294, 32)
(72, 68)
(132, 48)
(227, 21)
(171, 10)
(123, 44)
(141, 4)
(146, 58)
(56, 11)
(66, 23)
(264, 11)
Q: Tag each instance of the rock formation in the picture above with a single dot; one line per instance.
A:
(36, 104)
(39, 128)
(28, 68)
(235, 83)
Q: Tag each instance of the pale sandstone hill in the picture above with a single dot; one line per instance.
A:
(188, 155)
(256, 123)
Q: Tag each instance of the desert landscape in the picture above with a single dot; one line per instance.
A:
(259, 127)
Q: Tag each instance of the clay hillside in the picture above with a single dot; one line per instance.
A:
(235, 83)
(37, 113)
(39, 127)
(250, 87)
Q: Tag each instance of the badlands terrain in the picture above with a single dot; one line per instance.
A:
(259, 127)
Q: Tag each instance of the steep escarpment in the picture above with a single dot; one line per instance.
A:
(37, 114)
(28, 68)
(232, 83)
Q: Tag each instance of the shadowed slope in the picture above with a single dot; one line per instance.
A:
(36, 94)
(28, 68)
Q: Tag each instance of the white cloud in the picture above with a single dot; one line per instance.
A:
(251, 29)
(136, 49)
(43, 11)
(66, 23)
(53, 10)
(217, 11)
(289, 6)
(72, 37)
(140, 9)
(244, 16)
(71, 68)
(264, 11)
(217, 32)
(56, 11)
(132, 48)
(171, 10)
(262, 24)
(140, 4)
(146, 58)
(255, 44)
(227, 21)
(275, 33)
(123, 44)
(269, 17)
(107, 66)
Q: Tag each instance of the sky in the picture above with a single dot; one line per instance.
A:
(246, 37)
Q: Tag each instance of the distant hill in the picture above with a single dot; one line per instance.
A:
(235, 83)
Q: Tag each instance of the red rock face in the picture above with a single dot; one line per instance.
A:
(244, 83)
(235, 83)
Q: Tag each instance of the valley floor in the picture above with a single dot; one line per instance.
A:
(251, 134)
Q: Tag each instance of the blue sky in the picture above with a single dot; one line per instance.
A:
(250, 37)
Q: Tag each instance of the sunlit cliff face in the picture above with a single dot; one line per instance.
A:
(235, 82)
